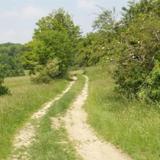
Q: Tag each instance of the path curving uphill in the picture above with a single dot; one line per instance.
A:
(88, 146)
(26, 136)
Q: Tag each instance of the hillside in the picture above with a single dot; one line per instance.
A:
(66, 95)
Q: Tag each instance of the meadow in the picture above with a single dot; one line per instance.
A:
(131, 125)
(130, 44)
(16, 108)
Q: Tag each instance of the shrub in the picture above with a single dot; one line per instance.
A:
(47, 73)
(41, 77)
(151, 88)
(3, 89)
(138, 69)
(53, 68)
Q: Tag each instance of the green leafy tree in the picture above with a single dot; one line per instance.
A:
(54, 39)
(105, 21)
(137, 68)
(10, 59)
(98, 45)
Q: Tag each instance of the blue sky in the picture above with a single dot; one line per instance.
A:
(18, 17)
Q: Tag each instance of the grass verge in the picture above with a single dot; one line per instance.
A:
(15, 109)
(130, 125)
(52, 143)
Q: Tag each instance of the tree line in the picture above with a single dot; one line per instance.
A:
(132, 44)
(10, 62)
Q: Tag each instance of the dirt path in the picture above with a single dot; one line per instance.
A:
(88, 146)
(25, 137)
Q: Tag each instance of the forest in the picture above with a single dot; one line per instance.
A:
(121, 56)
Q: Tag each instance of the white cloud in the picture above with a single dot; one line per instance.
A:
(86, 3)
(17, 25)
(30, 12)
(25, 12)
(15, 35)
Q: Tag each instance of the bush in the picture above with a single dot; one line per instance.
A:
(138, 68)
(47, 73)
(151, 88)
(53, 68)
(41, 78)
(3, 89)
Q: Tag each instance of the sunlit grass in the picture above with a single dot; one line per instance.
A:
(16, 108)
(130, 125)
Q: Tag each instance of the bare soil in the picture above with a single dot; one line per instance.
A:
(87, 144)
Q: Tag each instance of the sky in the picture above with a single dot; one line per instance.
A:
(18, 17)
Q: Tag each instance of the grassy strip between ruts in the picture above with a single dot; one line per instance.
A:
(52, 143)
(25, 99)
(130, 125)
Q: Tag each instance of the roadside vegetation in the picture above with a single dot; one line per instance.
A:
(10, 64)
(130, 125)
(15, 109)
(133, 43)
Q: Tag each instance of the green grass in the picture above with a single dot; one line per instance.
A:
(49, 142)
(130, 125)
(16, 108)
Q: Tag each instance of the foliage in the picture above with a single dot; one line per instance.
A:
(10, 63)
(90, 50)
(98, 45)
(105, 21)
(3, 89)
(132, 43)
(137, 68)
(151, 88)
(45, 75)
(53, 45)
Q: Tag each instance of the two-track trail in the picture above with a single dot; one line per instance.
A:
(88, 146)
(82, 136)
(26, 135)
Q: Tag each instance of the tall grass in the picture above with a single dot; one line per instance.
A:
(52, 143)
(130, 125)
(16, 108)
